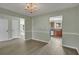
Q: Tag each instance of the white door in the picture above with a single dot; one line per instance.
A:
(15, 27)
(3, 29)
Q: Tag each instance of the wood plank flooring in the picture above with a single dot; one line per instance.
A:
(33, 47)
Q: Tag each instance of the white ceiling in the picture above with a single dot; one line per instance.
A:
(44, 7)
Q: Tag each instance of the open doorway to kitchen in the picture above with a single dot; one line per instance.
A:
(56, 31)
(56, 37)
(56, 26)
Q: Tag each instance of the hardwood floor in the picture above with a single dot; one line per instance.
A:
(32, 47)
(20, 47)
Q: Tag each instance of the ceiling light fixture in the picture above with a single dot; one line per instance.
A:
(31, 7)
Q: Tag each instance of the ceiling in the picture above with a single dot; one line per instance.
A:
(43, 7)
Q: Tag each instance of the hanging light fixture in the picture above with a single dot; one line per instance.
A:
(31, 7)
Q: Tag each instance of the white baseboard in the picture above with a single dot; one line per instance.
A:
(39, 40)
(6, 40)
(28, 39)
(72, 48)
(69, 46)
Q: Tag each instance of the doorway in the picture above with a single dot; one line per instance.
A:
(56, 33)
(22, 28)
(18, 28)
(56, 26)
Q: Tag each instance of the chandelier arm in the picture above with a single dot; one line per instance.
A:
(31, 7)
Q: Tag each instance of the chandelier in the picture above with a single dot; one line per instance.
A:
(31, 7)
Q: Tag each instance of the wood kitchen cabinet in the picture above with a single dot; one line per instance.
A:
(58, 33)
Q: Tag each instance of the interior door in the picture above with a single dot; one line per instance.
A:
(15, 27)
(3, 29)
